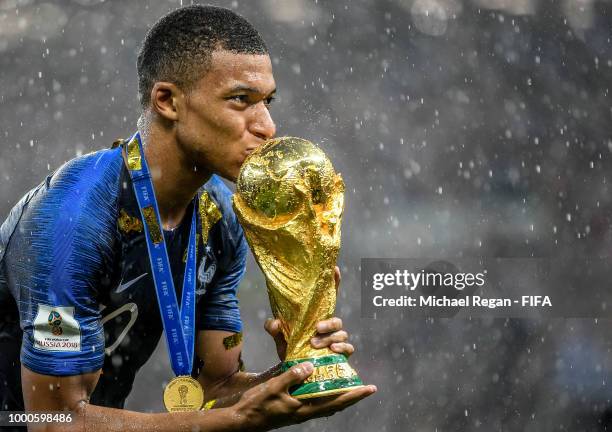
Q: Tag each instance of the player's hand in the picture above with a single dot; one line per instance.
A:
(269, 405)
(329, 332)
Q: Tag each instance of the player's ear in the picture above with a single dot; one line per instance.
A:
(164, 99)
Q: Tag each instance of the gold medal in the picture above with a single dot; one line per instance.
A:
(183, 393)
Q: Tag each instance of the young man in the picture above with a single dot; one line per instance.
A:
(75, 270)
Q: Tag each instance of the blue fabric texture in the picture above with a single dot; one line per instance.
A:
(62, 247)
(70, 222)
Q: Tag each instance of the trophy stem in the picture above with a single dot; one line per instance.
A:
(332, 375)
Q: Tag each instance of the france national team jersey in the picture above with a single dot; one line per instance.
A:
(75, 276)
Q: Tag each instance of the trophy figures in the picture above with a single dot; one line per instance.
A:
(289, 201)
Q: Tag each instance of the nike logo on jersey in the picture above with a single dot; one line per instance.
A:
(123, 286)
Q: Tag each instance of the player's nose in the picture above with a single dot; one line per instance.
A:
(262, 125)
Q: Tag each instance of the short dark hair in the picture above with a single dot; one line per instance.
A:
(178, 48)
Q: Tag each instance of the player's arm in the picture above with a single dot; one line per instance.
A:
(221, 378)
(255, 402)
(53, 393)
(263, 408)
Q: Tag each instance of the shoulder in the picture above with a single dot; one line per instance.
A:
(222, 196)
(98, 169)
(78, 186)
(84, 188)
(76, 205)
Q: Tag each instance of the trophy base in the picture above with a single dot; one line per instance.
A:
(332, 375)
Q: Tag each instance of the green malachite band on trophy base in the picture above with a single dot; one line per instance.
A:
(332, 374)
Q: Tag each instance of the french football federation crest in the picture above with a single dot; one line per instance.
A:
(205, 275)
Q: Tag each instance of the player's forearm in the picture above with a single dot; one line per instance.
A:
(92, 418)
(228, 391)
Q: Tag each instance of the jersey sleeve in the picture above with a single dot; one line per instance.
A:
(55, 258)
(221, 311)
(228, 246)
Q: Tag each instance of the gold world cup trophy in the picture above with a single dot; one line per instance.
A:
(289, 201)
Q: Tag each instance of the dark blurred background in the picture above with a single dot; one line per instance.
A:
(462, 129)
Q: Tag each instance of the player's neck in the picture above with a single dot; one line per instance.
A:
(175, 180)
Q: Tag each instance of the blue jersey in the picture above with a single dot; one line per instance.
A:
(75, 274)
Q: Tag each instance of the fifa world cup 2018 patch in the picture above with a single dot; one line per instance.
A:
(56, 329)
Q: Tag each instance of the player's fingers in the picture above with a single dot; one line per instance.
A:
(342, 348)
(272, 326)
(329, 325)
(339, 403)
(324, 340)
(295, 375)
(337, 279)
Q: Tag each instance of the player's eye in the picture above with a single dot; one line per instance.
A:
(240, 98)
(268, 101)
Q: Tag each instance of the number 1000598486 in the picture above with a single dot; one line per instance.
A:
(23, 418)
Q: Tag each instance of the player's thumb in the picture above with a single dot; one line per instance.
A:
(272, 326)
(295, 375)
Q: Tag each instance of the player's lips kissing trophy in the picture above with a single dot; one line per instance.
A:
(289, 201)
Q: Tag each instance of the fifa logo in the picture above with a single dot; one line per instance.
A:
(55, 321)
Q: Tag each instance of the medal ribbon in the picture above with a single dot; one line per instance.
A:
(178, 324)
